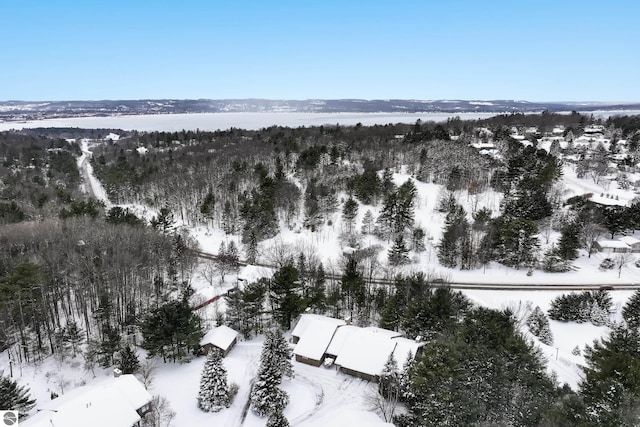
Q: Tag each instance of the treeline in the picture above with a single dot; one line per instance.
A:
(83, 272)
(38, 176)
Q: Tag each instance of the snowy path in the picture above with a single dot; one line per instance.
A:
(90, 184)
(334, 392)
(250, 354)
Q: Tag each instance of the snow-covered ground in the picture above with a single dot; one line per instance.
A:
(322, 396)
(91, 184)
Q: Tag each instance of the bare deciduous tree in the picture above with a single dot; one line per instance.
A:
(160, 415)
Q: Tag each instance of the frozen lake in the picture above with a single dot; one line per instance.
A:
(215, 121)
(222, 121)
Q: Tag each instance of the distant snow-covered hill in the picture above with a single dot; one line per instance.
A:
(30, 110)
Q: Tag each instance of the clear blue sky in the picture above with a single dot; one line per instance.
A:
(560, 50)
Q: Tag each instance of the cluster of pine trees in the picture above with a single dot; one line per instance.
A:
(590, 306)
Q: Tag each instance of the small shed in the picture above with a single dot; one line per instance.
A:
(222, 337)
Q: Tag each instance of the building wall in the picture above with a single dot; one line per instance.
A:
(205, 349)
(353, 373)
(308, 361)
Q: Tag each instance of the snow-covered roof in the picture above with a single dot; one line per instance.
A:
(252, 273)
(382, 332)
(614, 244)
(221, 336)
(366, 350)
(403, 347)
(309, 318)
(110, 403)
(629, 240)
(339, 338)
(316, 338)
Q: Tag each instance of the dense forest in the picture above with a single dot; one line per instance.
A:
(77, 276)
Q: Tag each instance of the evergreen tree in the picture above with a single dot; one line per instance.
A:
(349, 212)
(398, 254)
(277, 419)
(385, 221)
(235, 313)
(515, 241)
(164, 221)
(417, 239)
(284, 294)
(109, 344)
(404, 380)
(456, 230)
(569, 242)
(389, 385)
(275, 361)
(484, 373)
(631, 311)
(317, 296)
(276, 352)
(172, 330)
(129, 362)
(611, 384)
(368, 222)
(352, 286)
(539, 326)
(597, 315)
(213, 395)
(391, 315)
(15, 397)
(252, 248)
(388, 186)
(405, 206)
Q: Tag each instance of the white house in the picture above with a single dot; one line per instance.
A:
(612, 246)
(632, 242)
(114, 402)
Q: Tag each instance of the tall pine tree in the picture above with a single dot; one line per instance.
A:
(214, 392)
(631, 311)
(15, 397)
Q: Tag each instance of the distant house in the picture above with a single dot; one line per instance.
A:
(222, 338)
(612, 246)
(312, 343)
(115, 402)
(632, 242)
